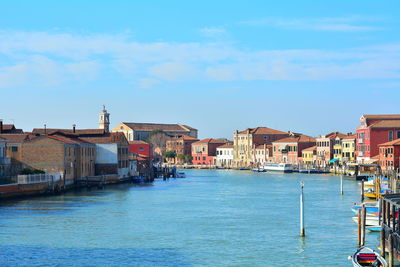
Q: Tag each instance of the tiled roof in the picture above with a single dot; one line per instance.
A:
(107, 138)
(391, 143)
(352, 136)
(335, 134)
(382, 116)
(209, 141)
(10, 128)
(16, 138)
(68, 131)
(262, 130)
(296, 139)
(310, 148)
(386, 124)
(148, 127)
(66, 139)
(184, 137)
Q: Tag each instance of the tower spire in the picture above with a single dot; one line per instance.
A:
(104, 120)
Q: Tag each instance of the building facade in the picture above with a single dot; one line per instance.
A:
(374, 130)
(348, 149)
(204, 152)
(325, 150)
(289, 149)
(224, 157)
(143, 131)
(141, 148)
(262, 155)
(71, 157)
(244, 143)
(389, 155)
(309, 157)
(182, 146)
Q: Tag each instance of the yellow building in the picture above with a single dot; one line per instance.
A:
(349, 148)
(309, 157)
(337, 148)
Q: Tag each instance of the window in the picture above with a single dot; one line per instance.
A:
(141, 149)
(390, 135)
(14, 149)
(398, 134)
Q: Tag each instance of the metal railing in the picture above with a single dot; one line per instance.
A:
(38, 178)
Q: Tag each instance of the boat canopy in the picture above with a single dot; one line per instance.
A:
(333, 160)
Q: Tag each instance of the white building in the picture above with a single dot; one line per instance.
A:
(225, 156)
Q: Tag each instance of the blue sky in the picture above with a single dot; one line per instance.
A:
(304, 66)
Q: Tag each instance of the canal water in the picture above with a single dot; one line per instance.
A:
(210, 218)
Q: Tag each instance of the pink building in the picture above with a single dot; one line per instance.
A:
(375, 130)
(290, 149)
(204, 152)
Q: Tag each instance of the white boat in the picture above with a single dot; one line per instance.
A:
(369, 220)
(278, 167)
(367, 257)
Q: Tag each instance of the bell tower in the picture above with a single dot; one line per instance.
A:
(104, 120)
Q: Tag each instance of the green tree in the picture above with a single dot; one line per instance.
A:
(188, 158)
(169, 154)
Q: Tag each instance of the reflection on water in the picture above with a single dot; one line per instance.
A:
(211, 218)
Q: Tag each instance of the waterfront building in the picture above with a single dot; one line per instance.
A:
(141, 148)
(244, 143)
(325, 145)
(374, 130)
(13, 151)
(204, 151)
(112, 154)
(389, 155)
(289, 149)
(309, 157)
(262, 154)
(4, 161)
(143, 131)
(224, 157)
(182, 146)
(70, 156)
(348, 149)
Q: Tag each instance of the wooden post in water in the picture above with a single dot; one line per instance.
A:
(359, 228)
(302, 232)
(382, 211)
(362, 191)
(363, 222)
(341, 184)
(391, 251)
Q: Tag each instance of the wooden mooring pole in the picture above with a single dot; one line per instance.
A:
(362, 191)
(302, 231)
(362, 215)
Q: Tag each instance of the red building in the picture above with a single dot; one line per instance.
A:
(204, 152)
(375, 130)
(389, 155)
(140, 148)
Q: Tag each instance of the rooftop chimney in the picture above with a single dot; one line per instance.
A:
(73, 128)
(1, 126)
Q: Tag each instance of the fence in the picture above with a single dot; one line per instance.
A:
(38, 178)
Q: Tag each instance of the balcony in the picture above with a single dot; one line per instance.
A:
(360, 141)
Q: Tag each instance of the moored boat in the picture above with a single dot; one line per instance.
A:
(369, 220)
(278, 167)
(365, 256)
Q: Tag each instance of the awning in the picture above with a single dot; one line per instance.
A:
(333, 160)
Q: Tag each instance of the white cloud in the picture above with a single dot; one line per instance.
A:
(213, 32)
(50, 59)
(334, 24)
